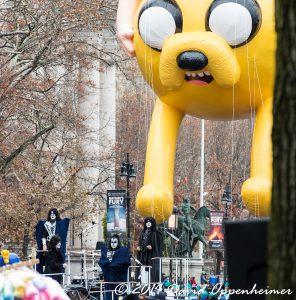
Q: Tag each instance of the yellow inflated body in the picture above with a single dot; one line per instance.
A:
(243, 83)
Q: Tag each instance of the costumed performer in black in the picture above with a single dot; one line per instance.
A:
(150, 246)
(45, 230)
(114, 262)
(54, 262)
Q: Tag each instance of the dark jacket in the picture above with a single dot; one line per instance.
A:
(203, 279)
(53, 262)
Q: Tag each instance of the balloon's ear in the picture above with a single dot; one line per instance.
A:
(124, 24)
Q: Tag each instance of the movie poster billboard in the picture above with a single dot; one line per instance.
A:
(116, 213)
(216, 235)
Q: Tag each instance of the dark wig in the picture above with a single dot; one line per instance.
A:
(58, 218)
(152, 221)
(55, 239)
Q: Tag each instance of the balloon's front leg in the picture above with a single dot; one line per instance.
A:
(155, 198)
(256, 191)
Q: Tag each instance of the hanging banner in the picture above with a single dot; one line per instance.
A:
(216, 235)
(116, 213)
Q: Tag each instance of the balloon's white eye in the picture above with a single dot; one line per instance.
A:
(156, 24)
(231, 21)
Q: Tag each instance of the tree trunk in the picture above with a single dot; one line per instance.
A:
(26, 241)
(282, 231)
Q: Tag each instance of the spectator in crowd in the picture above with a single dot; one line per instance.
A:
(213, 280)
(133, 297)
(156, 295)
(226, 284)
(166, 282)
(141, 296)
(204, 295)
(203, 279)
(188, 286)
(193, 283)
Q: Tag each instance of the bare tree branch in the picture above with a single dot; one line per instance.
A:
(23, 147)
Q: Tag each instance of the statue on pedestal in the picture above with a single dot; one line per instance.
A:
(191, 229)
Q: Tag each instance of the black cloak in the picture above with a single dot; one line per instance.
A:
(54, 264)
(153, 237)
(61, 230)
(114, 270)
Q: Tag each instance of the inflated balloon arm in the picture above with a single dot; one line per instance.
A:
(124, 24)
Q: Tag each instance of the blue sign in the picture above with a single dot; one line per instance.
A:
(116, 213)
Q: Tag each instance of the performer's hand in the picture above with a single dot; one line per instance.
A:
(108, 254)
(139, 248)
(64, 265)
(44, 248)
(149, 247)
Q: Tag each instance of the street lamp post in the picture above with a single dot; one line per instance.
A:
(227, 201)
(128, 173)
(172, 226)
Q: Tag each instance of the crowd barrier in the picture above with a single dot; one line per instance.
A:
(139, 277)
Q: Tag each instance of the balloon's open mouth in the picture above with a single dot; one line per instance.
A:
(199, 78)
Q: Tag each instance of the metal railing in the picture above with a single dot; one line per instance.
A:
(94, 286)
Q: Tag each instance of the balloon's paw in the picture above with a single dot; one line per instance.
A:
(155, 201)
(256, 194)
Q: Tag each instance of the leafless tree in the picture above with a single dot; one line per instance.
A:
(43, 51)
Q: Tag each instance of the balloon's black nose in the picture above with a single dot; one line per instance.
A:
(192, 61)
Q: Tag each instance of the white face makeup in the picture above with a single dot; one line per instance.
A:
(114, 243)
(58, 246)
(52, 216)
(148, 224)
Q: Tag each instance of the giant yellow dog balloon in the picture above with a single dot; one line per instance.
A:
(210, 59)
